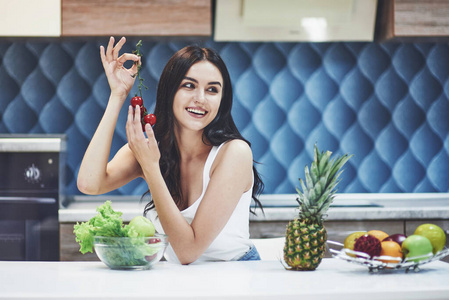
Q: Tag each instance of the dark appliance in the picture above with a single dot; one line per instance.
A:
(31, 180)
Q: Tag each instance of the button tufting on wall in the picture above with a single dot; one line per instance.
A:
(388, 104)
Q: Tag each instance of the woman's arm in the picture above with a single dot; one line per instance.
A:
(96, 175)
(231, 176)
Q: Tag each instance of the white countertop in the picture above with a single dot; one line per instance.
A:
(333, 279)
(386, 206)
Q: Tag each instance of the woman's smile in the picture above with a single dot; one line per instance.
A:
(196, 112)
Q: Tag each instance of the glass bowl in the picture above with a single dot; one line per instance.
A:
(130, 253)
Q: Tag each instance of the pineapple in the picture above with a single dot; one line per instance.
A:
(306, 236)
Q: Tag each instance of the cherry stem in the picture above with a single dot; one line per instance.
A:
(139, 44)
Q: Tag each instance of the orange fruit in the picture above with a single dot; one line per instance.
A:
(380, 235)
(393, 249)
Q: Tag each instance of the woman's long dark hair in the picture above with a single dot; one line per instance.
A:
(220, 130)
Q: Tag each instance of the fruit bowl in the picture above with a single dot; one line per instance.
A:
(377, 263)
(121, 253)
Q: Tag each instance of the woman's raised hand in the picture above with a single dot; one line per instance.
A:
(145, 150)
(120, 79)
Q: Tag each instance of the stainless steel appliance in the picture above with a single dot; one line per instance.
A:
(31, 181)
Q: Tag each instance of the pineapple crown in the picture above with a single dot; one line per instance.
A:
(319, 189)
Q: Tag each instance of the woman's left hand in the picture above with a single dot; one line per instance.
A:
(145, 150)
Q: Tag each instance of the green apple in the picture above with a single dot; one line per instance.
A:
(417, 245)
(142, 226)
(435, 234)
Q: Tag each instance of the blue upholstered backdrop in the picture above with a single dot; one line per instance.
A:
(386, 103)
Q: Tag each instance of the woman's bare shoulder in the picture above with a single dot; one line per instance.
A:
(236, 152)
(236, 158)
(237, 147)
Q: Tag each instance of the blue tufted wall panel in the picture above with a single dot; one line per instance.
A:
(388, 104)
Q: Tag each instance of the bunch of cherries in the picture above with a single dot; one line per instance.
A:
(137, 100)
(146, 117)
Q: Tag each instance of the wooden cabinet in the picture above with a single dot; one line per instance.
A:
(55, 18)
(412, 20)
(30, 18)
(136, 18)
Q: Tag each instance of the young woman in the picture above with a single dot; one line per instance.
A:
(198, 167)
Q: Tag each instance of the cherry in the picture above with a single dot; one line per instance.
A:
(150, 118)
(136, 101)
(154, 241)
(143, 110)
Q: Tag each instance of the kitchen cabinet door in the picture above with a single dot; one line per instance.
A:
(413, 20)
(30, 18)
(136, 18)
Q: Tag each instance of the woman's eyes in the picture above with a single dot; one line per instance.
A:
(188, 85)
(213, 89)
(191, 85)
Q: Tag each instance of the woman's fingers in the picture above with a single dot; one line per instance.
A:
(102, 55)
(104, 60)
(133, 124)
(110, 48)
(144, 149)
(150, 135)
(112, 51)
(137, 118)
(152, 143)
(125, 57)
(134, 69)
(110, 56)
(129, 120)
(117, 48)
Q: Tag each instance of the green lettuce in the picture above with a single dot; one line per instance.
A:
(127, 252)
(107, 223)
(131, 251)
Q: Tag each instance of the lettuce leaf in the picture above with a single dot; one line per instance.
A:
(84, 235)
(135, 251)
(107, 223)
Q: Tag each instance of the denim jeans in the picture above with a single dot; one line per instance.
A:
(252, 254)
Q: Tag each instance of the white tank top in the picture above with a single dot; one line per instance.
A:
(233, 241)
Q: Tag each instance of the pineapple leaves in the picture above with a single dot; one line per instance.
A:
(304, 197)
(338, 164)
(319, 188)
(304, 189)
(299, 191)
(324, 161)
(309, 181)
(313, 173)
